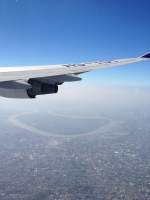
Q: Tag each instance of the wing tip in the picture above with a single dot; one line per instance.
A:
(147, 56)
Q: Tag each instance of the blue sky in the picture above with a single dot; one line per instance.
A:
(36, 32)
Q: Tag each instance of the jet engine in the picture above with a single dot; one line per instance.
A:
(40, 88)
(18, 89)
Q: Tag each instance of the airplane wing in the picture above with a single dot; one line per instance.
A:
(28, 72)
(42, 76)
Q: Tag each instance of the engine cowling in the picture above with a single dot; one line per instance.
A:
(39, 88)
(12, 89)
(14, 93)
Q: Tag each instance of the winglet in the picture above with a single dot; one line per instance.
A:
(147, 56)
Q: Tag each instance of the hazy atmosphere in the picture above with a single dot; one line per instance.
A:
(85, 143)
(91, 140)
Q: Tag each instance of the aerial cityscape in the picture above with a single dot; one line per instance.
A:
(102, 155)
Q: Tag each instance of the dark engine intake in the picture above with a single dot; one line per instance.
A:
(39, 88)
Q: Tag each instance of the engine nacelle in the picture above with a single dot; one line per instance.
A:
(14, 93)
(39, 88)
(12, 89)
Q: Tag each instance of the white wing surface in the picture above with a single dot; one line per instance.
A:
(30, 81)
(28, 72)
